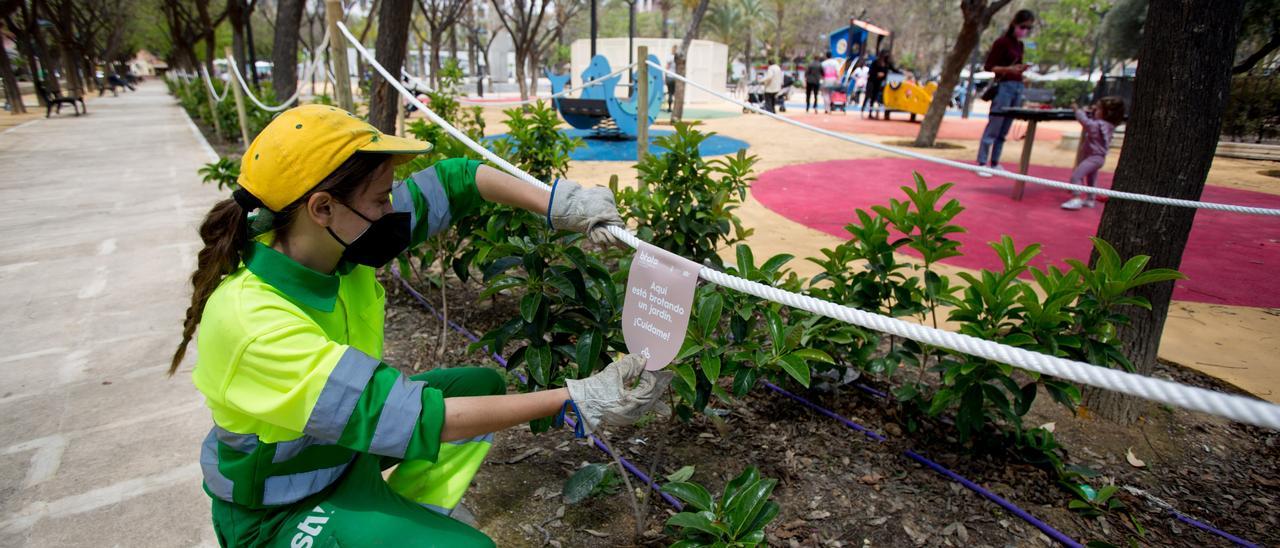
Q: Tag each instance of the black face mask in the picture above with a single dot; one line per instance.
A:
(386, 238)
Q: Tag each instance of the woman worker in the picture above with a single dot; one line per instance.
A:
(306, 416)
(1005, 60)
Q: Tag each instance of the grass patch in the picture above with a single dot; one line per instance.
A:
(1270, 173)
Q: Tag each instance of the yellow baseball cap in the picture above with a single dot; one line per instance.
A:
(303, 145)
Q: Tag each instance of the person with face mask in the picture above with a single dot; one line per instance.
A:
(1005, 60)
(306, 416)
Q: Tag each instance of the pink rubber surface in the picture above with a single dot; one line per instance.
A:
(1230, 259)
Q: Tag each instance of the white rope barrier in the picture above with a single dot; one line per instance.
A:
(979, 169)
(562, 93)
(1238, 408)
(297, 92)
(209, 83)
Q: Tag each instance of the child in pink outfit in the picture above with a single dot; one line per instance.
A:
(1098, 125)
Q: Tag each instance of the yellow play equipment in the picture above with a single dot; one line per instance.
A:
(908, 96)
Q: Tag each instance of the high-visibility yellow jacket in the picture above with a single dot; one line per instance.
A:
(290, 364)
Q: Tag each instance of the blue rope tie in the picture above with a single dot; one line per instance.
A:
(554, 184)
(578, 430)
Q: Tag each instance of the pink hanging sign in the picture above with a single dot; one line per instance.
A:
(655, 314)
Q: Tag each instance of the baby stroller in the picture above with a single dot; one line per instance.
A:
(839, 100)
(755, 96)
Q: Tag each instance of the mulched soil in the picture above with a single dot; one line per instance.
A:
(839, 488)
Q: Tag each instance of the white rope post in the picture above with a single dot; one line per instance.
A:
(642, 108)
(338, 54)
(240, 114)
(213, 104)
(1238, 408)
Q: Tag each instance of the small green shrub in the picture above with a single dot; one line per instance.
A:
(1069, 91)
(534, 143)
(225, 172)
(735, 518)
(569, 305)
(687, 207)
(1253, 109)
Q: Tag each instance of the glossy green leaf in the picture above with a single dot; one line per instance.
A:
(796, 367)
(693, 494)
(579, 486)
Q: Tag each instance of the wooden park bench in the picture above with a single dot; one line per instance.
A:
(52, 101)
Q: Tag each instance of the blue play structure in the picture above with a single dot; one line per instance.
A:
(851, 42)
(598, 109)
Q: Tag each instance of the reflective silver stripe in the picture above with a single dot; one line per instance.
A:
(402, 201)
(286, 450)
(295, 487)
(437, 509)
(217, 483)
(340, 393)
(244, 443)
(437, 214)
(399, 417)
(487, 438)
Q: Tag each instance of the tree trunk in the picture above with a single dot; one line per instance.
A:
(47, 64)
(393, 40)
(66, 38)
(71, 70)
(436, 44)
(977, 15)
(966, 41)
(522, 58)
(253, 57)
(284, 48)
(682, 58)
(1181, 89)
(453, 42)
(664, 6)
(11, 91)
(534, 61)
(236, 15)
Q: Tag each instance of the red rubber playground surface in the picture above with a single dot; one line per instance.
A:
(1230, 259)
(900, 126)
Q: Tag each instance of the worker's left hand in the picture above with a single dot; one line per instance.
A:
(582, 209)
(620, 394)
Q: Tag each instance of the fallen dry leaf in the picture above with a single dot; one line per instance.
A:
(1133, 460)
(817, 515)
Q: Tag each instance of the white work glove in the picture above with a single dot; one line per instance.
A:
(608, 399)
(580, 209)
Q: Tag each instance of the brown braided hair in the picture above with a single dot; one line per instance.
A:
(225, 233)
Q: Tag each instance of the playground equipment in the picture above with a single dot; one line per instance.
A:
(907, 96)
(598, 109)
(850, 43)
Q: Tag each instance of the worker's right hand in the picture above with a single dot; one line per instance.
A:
(590, 210)
(613, 397)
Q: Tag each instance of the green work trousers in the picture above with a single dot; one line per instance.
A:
(361, 509)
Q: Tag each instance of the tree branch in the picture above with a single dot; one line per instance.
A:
(1253, 60)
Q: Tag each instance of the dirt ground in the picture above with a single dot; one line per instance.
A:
(839, 488)
(1228, 342)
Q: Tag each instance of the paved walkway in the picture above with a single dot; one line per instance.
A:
(97, 238)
